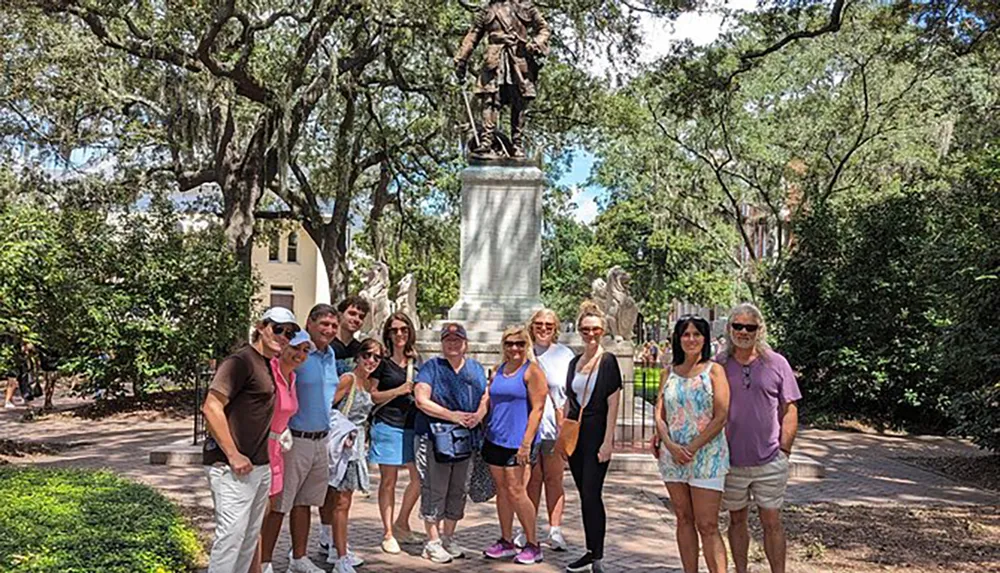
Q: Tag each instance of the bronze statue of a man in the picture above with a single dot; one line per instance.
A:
(516, 38)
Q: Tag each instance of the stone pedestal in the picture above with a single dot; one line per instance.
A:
(501, 245)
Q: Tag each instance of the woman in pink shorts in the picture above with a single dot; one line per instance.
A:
(286, 403)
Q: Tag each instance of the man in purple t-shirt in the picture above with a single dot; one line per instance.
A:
(763, 420)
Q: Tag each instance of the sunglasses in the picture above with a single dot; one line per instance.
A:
(286, 330)
(739, 326)
(545, 325)
(589, 330)
(513, 344)
(746, 376)
(399, 330)
(371, 356)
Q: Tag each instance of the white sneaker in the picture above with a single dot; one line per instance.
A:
(556, 540)
(453, 549)
(325, 539)
(520, 540)
(391, 546)
(303, 565)
(352, 557)
(343, 566)
(9, 406)
(434, 550)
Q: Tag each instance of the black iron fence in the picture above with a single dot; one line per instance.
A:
(636, 425)
(201, 383)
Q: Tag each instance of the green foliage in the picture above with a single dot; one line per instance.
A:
(82, 521)
(124, 298)
(854, 314)
(566, 246)
(967, 261)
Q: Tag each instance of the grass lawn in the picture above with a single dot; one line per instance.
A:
(76, 521)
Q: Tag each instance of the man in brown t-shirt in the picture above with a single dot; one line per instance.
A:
(238, 412)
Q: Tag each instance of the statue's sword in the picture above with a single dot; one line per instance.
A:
(472, 120)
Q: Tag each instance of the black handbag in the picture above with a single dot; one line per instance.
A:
(452, 443)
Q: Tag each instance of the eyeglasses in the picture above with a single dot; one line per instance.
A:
(399, 330)
(746, 376)
(371, 356)
(286, 330)
(544, 325)
(513, 344)
(739, 326)
(591, 330)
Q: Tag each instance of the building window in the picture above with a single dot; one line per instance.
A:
(283, 296)
(274, 247)
(293, 248)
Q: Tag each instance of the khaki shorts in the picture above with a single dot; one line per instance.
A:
(766, 484)
(307, 469)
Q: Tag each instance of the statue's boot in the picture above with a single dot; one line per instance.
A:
(518, 119)
(488, 136)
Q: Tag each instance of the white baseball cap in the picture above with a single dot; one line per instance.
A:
(279, 315)
(302, 337)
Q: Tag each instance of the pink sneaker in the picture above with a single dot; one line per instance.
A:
(502, 549)
(530, 555)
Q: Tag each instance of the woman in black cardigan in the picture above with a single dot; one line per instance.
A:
(594, 379)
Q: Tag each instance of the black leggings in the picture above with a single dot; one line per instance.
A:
(589, 476)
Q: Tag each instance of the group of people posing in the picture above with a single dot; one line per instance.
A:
(296, 417)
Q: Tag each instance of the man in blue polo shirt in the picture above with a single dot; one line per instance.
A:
(306, 463)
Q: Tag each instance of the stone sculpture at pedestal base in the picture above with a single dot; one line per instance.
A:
(501, 245)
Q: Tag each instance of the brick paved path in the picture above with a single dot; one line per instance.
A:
(860, 469)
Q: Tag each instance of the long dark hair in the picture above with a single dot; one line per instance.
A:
(706, 332)
(411, 338)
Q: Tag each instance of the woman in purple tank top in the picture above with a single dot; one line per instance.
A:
(517, 397)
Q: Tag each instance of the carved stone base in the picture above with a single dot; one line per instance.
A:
(501, 244)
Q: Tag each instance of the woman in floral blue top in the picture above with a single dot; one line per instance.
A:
(694, 457)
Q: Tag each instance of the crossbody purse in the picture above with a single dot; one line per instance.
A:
(569, 430)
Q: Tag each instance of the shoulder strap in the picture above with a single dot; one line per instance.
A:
(346, 408)
(583, 400)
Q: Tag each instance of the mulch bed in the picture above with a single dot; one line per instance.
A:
(980, 471)
(826, 538)
(173, 403)
(19, 449)
(914, 539)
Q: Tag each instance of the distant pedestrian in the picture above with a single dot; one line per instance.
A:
(593, 385)
(238, 412)
(690, 414)
(763, 422)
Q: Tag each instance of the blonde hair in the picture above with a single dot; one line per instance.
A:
(760, 342)
(538, 314)
(589, 308)
(518, 329)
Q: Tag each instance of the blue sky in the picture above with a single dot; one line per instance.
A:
(700, 27)
(584, 196)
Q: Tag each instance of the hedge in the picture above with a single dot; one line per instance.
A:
(76, 521)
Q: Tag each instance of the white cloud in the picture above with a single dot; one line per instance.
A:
(585, 202)
(660, 35)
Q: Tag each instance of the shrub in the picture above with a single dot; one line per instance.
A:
(84, 521)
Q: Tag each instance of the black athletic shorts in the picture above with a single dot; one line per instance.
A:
(495, 455)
